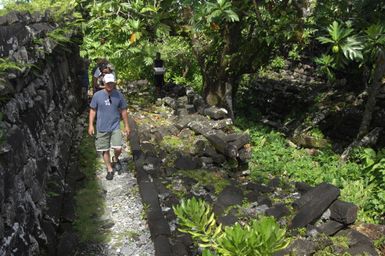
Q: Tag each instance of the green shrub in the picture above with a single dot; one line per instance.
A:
(294, 53)
(197, 219)
(60, 35)
(360, 193)
(373, 166)
(278, 63)
(361, 180)
(260, 237)
(58, 8)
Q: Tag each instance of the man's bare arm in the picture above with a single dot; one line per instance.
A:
(91, 129)
(124, 114)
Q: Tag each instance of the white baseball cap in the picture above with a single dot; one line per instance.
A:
(109, 78)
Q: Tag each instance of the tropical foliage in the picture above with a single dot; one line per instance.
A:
(260, 237)
(6, 64)
(210, 45)
(360, 179)
(59, 9)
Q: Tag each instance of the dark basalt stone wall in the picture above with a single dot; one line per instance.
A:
(40, 106)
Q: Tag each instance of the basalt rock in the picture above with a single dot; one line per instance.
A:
(311, 206)
(40, 114)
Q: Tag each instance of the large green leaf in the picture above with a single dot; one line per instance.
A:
(352, 48)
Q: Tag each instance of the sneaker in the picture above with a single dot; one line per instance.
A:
(110, 175)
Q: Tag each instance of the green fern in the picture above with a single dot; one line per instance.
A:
(7, 64)
(60, 35)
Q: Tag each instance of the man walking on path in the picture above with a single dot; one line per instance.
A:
(159, 71)
(109, 105)
(103, 67)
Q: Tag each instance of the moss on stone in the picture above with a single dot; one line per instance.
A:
(338, 244)
(172, 143)
(205, 177)
(178, 190)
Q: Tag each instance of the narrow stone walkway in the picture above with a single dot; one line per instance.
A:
(124, 214)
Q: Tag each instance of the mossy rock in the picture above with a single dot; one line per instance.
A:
(207, 178)
(308, 141)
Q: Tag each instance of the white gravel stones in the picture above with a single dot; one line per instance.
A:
(129, 232)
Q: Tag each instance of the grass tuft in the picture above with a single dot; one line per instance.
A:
(89, 199)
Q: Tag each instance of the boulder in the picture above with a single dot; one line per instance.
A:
(215, 113)
(314, 203)
(278, 211)
(199, 104)
(187, 162)
(311, 194)
(170, 102)
(358, 243)
(227, 220)
(302, 187)
(299, 247)
(330, 227)
(343, 212)
(229, 196)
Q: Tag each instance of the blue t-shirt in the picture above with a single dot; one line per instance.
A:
(108, 109)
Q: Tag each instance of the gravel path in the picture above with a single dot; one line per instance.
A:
(124, 218)
(124, 211)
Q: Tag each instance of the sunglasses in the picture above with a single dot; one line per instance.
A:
(109, 98)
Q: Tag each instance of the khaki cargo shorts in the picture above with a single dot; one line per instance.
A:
(107, 140)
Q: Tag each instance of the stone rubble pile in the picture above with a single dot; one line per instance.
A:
(210, 122)
(317, 209)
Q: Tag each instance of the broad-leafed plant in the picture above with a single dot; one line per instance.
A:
(374, 42)
(197, 219)
(326, 66)
(260, 237)
(222, 9)
(343, 43)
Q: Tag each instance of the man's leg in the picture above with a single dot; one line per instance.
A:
(103, 145)
(107, 161)
(117, 152)
(161, 83)
(116, 144)
(158, 85)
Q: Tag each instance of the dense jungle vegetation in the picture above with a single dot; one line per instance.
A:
(218, 46)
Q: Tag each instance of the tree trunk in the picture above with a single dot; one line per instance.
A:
(373, 90)
(221, 74)
(363, 138)
(218, 91)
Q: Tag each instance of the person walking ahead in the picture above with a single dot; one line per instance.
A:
(109, 105)
(159, 71)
